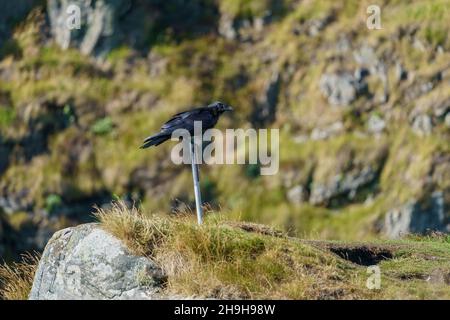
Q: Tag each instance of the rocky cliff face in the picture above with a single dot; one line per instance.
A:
(85, 262)
(98, 31)
(364, 115)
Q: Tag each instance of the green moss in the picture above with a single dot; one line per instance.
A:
(52, 202)
(103, 126)
(7, 116)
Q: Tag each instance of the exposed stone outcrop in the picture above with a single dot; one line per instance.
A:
(98, 32)
(85, 262)
(296, 195)
(414, 217)
(342, 186)
(376, 124)
(328, 132)
(422, 125)
(341, 89)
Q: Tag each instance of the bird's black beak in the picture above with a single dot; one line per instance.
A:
(229, 108)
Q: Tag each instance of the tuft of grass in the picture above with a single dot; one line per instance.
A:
(16, 279)
(140, 234)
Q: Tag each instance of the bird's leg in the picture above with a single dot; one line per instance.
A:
(195, 175)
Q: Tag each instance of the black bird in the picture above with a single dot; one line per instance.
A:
(185, 120)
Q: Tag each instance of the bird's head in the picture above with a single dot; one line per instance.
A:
(220, 107)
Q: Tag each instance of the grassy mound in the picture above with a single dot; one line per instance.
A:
(237, 260)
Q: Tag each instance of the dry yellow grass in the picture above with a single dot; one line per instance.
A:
(16, 279)
(140, 234)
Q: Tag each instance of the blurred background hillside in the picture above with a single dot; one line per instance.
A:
(364, 115)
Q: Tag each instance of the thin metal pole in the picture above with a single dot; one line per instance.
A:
(198, 196)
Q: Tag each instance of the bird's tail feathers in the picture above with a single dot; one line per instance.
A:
(155, 140)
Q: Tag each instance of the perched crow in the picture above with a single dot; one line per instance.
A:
(185, 120)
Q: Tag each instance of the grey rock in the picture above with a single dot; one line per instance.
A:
(98, 32)
(419, 45)
(157, 64)
(437, 109)
(13, 202)
(123, 103)
(85, 262)
(423, 85)
(342, 186)
(376, 124)
(328, 132)
(315, 26)
(422, 125)
(302, 138)
(296, 195)
(366, 56)
(442, 108)
(343, 45)
(414, 217)
(227, 27)
(260, 22)
(447, 120)
(380, 69)
(426, 87)
(429, 113)
(341, 89)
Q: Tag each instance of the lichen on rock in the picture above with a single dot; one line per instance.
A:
(85, 262)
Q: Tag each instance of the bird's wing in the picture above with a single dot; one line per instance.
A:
(186, 119)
